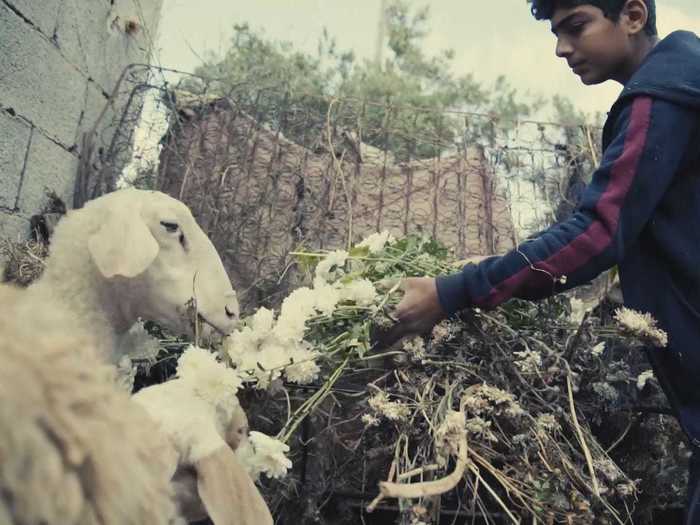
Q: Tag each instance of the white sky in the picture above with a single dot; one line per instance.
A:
(490, 38)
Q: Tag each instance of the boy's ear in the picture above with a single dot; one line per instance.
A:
(634, 16)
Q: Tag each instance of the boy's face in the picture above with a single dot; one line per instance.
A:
(595, 47)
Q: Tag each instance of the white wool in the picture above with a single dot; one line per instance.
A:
(191, 423)
(199, 415)
(126, 374)
(205, 433)
(61, 410)
(108, 305)
(99, 289)
(194, 409)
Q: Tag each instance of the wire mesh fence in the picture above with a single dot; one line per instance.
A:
(266, 171)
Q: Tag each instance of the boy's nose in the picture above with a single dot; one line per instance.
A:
(564, 48)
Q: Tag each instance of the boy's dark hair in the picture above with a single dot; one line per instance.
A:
(544, 9)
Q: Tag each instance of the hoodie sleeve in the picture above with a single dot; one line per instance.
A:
(650, 138)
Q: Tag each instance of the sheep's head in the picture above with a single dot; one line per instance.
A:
(160, 264)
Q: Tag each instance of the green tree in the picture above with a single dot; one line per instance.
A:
(398, 105)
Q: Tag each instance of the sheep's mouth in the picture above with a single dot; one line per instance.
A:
(203, 320)
(196, 321)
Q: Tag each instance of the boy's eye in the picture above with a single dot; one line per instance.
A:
(575, 28)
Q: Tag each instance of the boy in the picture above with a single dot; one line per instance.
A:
(641, 210)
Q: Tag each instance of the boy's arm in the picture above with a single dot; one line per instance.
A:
(650, 141)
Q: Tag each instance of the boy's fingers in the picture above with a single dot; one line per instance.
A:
(391, 314)
(387, 283)
(382, 338)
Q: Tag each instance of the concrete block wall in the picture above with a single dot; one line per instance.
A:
(59, 62)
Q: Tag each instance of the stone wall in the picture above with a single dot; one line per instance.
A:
(60, 61)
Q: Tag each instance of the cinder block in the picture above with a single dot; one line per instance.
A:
(36, 81)
(43, 15)
(13, 227)
(49, 167)
(14, 139)
(80, 33)
(92, 36)
(95, 103)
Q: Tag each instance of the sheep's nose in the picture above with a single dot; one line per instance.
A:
(232, 309)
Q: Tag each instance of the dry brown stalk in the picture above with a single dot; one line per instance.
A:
(426, 488)
(581, 439)
(417, 472)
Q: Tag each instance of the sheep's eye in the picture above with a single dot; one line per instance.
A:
(170, 227)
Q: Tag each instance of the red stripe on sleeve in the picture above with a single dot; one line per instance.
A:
(598, 236)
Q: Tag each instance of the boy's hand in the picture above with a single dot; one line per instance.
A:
(417, 313)
(420, 308)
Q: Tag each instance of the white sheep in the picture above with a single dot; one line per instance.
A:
(74, 449)
(127, 255)
(135, 254)
(185, 479)
(200, 414)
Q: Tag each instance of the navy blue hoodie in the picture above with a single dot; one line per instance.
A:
(641, 212)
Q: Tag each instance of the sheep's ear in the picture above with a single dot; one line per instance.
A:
(123, 245)
(228, 493)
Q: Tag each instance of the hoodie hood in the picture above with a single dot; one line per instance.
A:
(671, 71)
